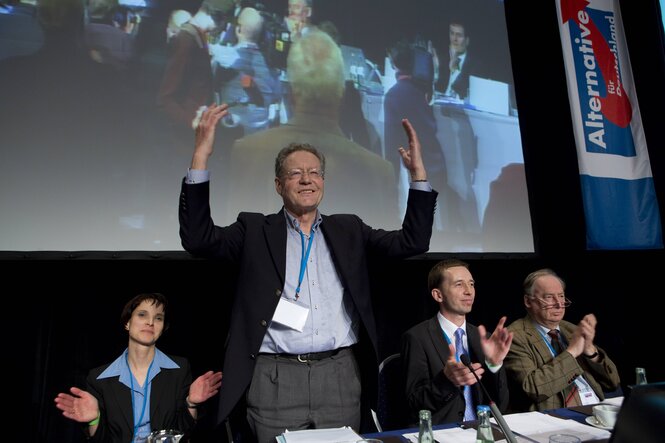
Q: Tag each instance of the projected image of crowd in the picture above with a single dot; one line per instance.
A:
(160, 63)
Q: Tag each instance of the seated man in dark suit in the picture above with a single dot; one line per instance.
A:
(435, 378)
(458, 64)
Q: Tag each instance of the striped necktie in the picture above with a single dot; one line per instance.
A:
(469, 413)
(571, 393)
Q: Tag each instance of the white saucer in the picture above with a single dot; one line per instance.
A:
(595, 423)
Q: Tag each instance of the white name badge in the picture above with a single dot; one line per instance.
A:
(290, 314)
(587, 396)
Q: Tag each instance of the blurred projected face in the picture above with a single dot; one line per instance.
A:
(146, 324)
(301, 183)
(299, 12)
(546, 304)
(458, 39)
(457, 291)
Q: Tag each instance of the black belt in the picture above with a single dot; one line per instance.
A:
(312, 356)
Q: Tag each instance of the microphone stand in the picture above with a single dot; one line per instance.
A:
(510, 437)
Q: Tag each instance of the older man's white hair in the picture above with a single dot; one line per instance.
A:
(250, 24)
(316, 70)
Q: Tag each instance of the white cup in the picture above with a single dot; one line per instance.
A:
(606, 415)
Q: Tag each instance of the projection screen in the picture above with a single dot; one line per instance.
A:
(92, 159)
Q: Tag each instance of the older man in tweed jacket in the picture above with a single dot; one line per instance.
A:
(553, 363)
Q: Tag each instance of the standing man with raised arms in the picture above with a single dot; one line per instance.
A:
(302, 300)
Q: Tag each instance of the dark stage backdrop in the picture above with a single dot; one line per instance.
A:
(64, 310)
(63, 327)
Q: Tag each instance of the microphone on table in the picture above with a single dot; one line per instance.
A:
(510, 437)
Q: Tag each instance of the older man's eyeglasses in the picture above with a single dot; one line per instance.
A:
(298, 174)
(549, 301)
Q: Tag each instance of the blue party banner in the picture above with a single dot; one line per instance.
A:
(620, 205)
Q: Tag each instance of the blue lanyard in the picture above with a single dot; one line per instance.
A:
(145, 393)
(549, 343)
(304, 256)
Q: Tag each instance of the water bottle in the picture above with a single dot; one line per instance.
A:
(425, 434)
(484, 434)
(640, 376)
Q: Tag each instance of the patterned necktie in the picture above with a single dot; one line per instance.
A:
(571, 393)
(455, 63)
(469, 413)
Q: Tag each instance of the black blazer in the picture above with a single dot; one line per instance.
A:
(256, 245)
(167, 403)
(472, 66)
(424, 351)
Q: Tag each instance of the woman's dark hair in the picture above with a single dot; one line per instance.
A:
(154, 297)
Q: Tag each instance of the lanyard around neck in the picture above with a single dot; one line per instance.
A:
(304, 257)
(145, 393)
(547, 339)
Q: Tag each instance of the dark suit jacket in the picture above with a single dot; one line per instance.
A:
(424, 352)
(187, 81)
(406, 99)
(537, 379)
(472, 66)
(256, 244)
(167, 403)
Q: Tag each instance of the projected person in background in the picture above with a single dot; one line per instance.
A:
(303, 289)
(242, 76)
(553, 363)
(409, 98)
(177, 18)
(316, 75)
(507, 221)
(143, 390)
(187, 81)
(435, 378)
(298, 18)
(458, 63)
(352, 121)
(110, 33)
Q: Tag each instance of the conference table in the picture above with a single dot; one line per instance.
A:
(572, 421)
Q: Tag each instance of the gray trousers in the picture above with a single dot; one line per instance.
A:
(288, 394)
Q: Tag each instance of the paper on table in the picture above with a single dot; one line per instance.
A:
(327, 435)
(458, 435)
(537, 427)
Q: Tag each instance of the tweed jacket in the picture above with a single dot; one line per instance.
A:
(537, 379)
